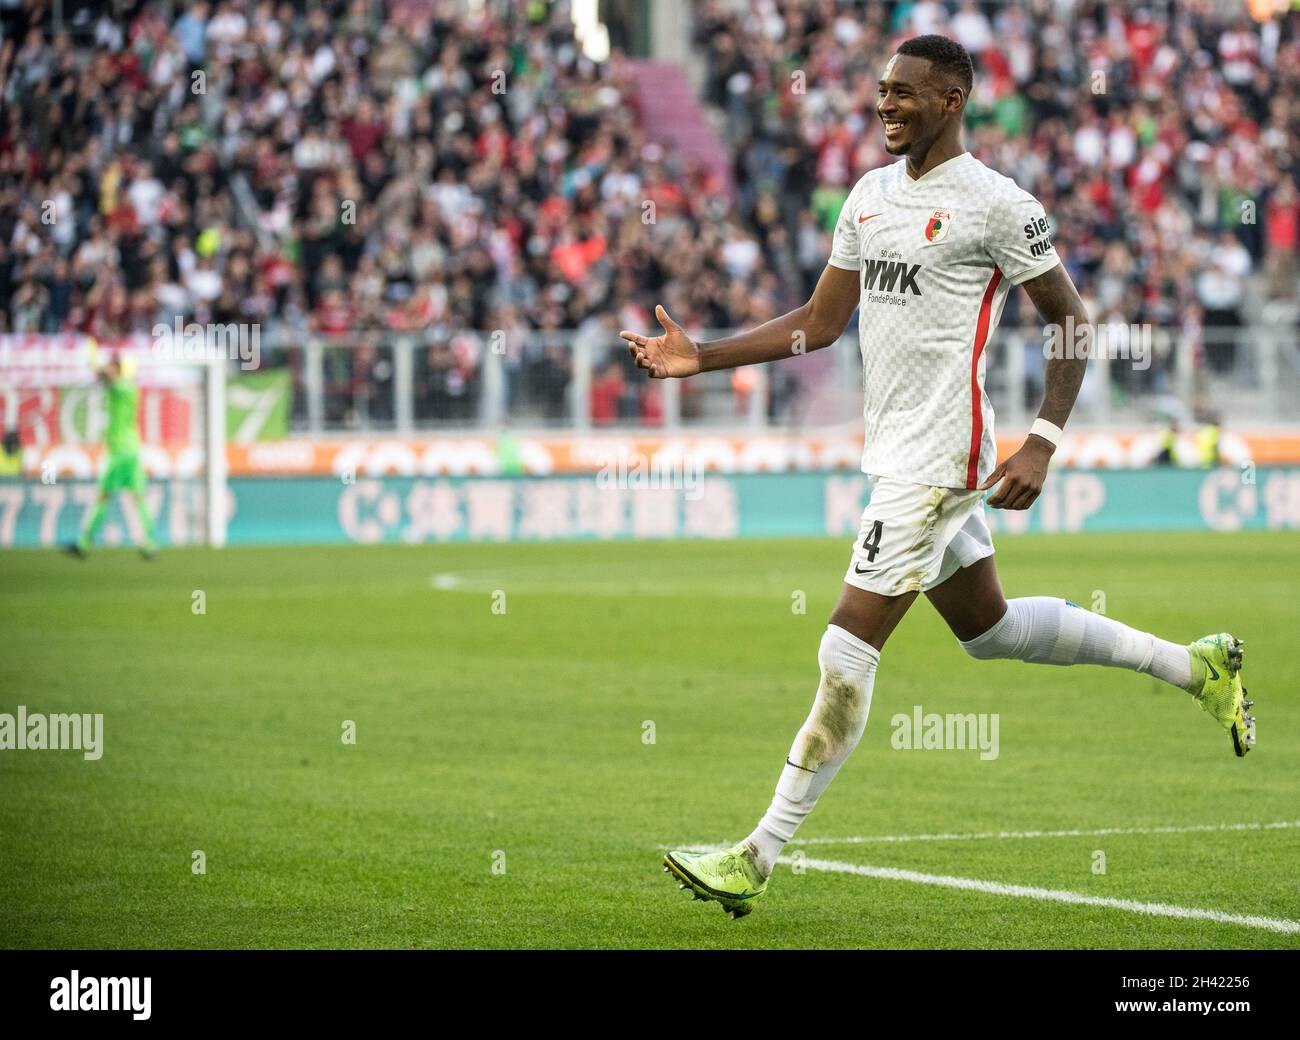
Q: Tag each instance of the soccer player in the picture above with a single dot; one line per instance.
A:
(124, 471)
(927, 249)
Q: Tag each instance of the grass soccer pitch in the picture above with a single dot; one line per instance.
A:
(535, 724)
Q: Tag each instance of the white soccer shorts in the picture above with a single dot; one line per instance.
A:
(914, 537)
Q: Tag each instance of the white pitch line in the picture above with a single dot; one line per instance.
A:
(1005, 835)
(1271, 924)
(1099, 832)
(532, 580)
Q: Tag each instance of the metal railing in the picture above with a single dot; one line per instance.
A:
(407, 382)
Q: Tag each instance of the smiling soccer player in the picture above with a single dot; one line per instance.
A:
(927, 250)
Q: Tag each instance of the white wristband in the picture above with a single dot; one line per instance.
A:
(1048, 431)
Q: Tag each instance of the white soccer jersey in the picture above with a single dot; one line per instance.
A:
(937, 258)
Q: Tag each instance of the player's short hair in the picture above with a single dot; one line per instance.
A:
(946, 57)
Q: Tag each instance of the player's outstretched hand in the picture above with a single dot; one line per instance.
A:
(674, 355)
(1022, 476)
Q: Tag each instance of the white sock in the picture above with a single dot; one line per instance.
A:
(829, 735)
(1046, 630)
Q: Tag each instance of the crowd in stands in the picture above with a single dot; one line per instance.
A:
(1163, 139)
(354, 170)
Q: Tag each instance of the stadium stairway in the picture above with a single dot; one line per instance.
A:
(672, 116)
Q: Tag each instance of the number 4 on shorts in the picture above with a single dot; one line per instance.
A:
(871, 543)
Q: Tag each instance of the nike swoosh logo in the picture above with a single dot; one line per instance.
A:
(1213, 674)
(868, 216)
(863, 570)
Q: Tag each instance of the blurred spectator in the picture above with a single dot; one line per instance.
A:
(11, 454)
(1168, 453)
(607, 390)
(1208, 441)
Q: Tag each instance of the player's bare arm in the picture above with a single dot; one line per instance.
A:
(1022, 475)
(818, 323)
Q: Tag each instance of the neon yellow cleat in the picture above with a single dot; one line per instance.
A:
(729, 877)
(1216, 667)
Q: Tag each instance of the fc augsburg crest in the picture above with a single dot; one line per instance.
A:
(937, 229)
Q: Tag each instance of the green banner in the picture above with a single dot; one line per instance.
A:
(407, 510)
(257, 406)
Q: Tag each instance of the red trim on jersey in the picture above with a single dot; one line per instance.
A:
(976, 408)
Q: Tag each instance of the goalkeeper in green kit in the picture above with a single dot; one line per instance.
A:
(124, 471)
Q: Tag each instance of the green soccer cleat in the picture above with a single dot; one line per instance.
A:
(729, 877)
(1216, 684)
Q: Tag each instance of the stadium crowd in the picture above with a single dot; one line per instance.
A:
(1162, 139)
(322, 171)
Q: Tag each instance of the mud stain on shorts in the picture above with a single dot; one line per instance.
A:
(914, 580)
